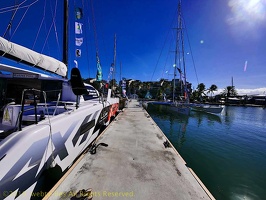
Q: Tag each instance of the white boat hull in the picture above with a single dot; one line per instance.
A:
(27, 153)
(207, 108)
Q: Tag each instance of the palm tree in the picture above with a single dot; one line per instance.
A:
(200, 90)
(229, 91)
(212, 89)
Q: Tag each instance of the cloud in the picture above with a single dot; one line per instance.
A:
(240, 91)
(260, 91)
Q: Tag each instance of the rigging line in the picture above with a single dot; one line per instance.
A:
(169, 51)
(86, 7)
(182, 46)
(23, 16)
(194, 66)
(114, 60)
(169, 68)
(12, 18)
(19, 23)
(9, 8)
(50, 129)
(56, 36)
(159, 56)
(163, 46)
(46, 39)
(10, 22)
(94, 28)
(40, 26)
(12, 8)
(26, 5)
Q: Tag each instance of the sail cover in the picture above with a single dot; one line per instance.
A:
(30, 57)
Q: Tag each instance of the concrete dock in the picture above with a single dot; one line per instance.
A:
(135, 165)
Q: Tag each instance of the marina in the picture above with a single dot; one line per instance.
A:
(226, 151)
(137, 164)
(171, 127)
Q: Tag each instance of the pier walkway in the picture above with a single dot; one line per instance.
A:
(135, 165)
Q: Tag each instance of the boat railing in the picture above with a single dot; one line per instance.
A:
(17, 116)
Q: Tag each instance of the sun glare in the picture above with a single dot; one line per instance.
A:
(251, 12)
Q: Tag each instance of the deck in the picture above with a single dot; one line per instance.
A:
(135, 165)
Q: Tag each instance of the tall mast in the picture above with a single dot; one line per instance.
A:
(182, 50)
(177, 52)
(120, 78)
(114, 61)
(65, 35)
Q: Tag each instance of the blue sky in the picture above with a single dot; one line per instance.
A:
(227, 39)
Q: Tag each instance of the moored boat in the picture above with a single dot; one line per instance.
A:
(47, 120)
(181, 106)
(212, 109)
(45, 131)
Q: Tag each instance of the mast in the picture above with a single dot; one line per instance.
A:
(114, 62)
(120, 71)
(65, 35)
(182, 51)
(179, 54)
(177, 48)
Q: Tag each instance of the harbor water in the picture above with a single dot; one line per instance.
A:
(227, 152)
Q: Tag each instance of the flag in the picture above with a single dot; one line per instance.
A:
(78, 28)
(76, 63)
(79, 41)
(79, 13)
(78, 52)
(99, 69)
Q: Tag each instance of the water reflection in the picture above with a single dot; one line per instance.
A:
(227, 151)
(163, 113)
(178, 127)
(175, 125)
(211, 119)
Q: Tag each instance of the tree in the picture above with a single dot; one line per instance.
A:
(200, 90)
(229, 91)
(212, 89)
(194, 95)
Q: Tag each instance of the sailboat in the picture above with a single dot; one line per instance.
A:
(181, 106)
(47, 121)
